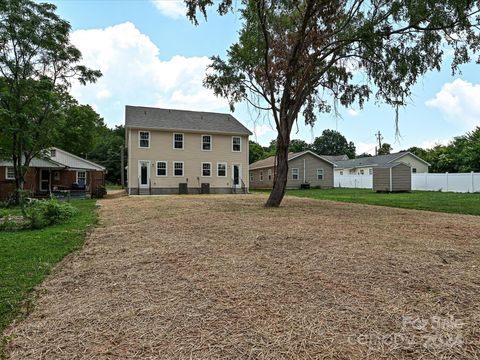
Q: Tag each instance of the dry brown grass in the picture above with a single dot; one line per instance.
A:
(223, 277)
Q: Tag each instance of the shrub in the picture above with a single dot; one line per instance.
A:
(100, 192)
(48, 212)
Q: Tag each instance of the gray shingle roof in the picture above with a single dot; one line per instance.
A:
(335, 158)
(371, 160)
(270, 161)
(168, 119)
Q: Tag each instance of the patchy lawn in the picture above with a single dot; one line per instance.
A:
(457, 203)
(26, 257)
(223, 277)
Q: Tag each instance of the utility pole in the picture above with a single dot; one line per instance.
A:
(379, 137)
(122, 166)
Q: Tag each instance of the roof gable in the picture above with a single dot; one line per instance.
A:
(372, 161)
(182, 120)
(73, 161)
(270, 161)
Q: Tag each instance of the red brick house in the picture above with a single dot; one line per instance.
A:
(58, 171)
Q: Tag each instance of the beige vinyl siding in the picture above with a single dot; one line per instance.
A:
(161, 149)
(401, 178)
(381, 179)
(265, 184)
(312, 163)
(414, 163)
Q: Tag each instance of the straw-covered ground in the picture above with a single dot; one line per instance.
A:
(223, 277)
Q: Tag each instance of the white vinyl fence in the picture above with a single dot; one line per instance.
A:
(461, 182)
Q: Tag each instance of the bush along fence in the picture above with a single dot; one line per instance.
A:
(447, 182)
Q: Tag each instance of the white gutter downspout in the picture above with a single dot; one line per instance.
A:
(304, 177)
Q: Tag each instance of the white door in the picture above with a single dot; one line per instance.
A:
(144, 173)
(237, 175)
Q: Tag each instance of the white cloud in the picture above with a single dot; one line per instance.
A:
(428, 144)
(352, 112)
(458, 100)
(262, 130)
(134, 74)
(362, 148)
(174, 9)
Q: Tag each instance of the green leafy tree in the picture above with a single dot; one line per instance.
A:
(107, 152)
(331, 142)
(81, 129)
(37, 64)
(297, 145)
(364, 155)
(385, 149)
(296, 57)
(256, 152)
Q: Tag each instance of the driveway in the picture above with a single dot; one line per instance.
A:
(223, 277)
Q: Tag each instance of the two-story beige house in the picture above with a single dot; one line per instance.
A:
(177, 151)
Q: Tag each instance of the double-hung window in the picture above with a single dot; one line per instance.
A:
(161, 168)
(178, 141)
(236, 143)
(144, 139)
(10, 173)
(206, 142)
(319, 174)
(414, 170)
(206, 169)
(251, 176)
(178, 168)
(222, 169)
(81, 177)
(261, 175)
(295, 173)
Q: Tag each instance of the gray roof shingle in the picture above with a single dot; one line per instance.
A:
(270, 161)
(184, 120)
(371, 160)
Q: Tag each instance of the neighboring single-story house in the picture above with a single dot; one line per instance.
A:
(177, 151)
(392, 177)
(365, 165)
(304, 167)
(58, 170)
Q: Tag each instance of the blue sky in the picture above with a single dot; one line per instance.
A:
(151, 55)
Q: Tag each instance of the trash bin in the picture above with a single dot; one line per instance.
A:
(305, 186)
(183, 188)
(205, 188)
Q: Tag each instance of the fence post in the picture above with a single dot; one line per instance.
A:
(473, 181)
(446, 177)
(426, 181)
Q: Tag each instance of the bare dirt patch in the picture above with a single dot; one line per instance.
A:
(223, 277)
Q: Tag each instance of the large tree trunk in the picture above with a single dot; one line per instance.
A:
(281, 170)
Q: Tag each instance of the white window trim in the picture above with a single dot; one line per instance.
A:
(6, 173)
(226, 167)
(293, 174)
(261, 175)
(414, 170)
(183, 168)
(237, 151)
(82, 171)
(56, 178)
(166, 168)
(251, 177)
(183, 141)
(323, 173)
(201, 169)
(201, 142)
(149, 139)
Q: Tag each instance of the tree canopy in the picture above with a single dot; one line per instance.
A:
(37, 65)
(301, 58)
(331, 142)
